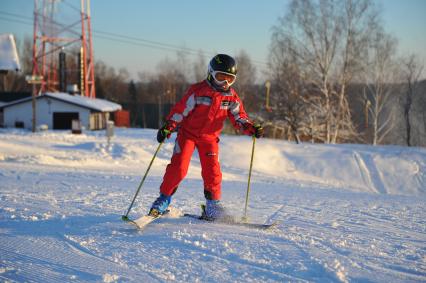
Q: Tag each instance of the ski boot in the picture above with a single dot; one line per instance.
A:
(160, 205)
(214, 211)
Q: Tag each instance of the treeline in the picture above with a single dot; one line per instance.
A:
(337, 78)
(333, 71)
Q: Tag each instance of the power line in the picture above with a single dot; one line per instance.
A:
(122, 39)
(152, 43)
(20, 21)
(126, 39)
(71, 6)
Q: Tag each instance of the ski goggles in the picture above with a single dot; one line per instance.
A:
(222, 77)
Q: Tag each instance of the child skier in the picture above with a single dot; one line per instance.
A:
(199, 118)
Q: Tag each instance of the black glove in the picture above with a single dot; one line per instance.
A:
(164, 132)
(259, 132)
(256, 130)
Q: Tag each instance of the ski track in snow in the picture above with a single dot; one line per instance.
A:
(62, 197)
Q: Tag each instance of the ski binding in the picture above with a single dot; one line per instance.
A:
(144, 220)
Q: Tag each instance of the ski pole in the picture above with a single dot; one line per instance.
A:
(249, 178)
(125, 217)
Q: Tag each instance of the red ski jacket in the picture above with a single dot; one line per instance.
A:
(203, 110)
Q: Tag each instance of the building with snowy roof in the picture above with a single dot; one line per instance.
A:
(57, 111)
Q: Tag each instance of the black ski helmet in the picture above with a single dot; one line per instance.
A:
(225, 64)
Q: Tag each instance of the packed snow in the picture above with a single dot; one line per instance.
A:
(345, 213)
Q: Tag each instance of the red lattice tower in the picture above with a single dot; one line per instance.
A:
(58, 25)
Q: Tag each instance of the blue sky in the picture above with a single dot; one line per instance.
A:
(225, 26)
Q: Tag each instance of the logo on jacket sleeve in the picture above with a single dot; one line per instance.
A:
(225, 104)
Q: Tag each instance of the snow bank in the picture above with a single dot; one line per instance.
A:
(383, 170)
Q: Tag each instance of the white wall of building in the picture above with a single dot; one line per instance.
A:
(45, 107)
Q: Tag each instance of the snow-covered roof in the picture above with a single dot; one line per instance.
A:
(92, 103)
(96, 104)
(9, 60)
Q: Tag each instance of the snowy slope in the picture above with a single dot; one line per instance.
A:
(346, 212)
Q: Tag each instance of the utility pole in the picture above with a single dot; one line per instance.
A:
(34, 80)
(268, 88)
(366, 109)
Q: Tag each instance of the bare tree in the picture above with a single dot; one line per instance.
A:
(246, 79)
(200, 67)
(291, 100)
(110, 84)
(172, 75)
(328, 38)
(381, 71)
(412, 71)
(424, 120)
(133, 99)
(359, 23)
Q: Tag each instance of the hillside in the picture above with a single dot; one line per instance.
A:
(345, 212)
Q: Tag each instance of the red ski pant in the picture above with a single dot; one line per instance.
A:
(208, 151)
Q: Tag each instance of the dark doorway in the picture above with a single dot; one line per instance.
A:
(63, 121)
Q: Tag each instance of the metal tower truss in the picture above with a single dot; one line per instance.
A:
(60, 26)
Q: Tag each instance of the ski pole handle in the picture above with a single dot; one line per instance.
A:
(125, 217)
(249, 178)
